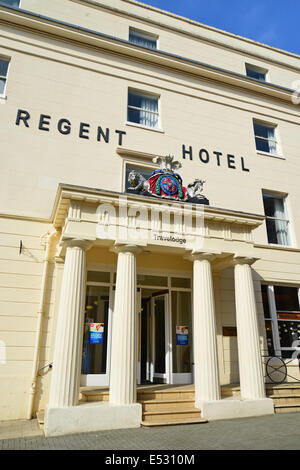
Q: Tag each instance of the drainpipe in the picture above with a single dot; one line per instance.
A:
(38, 338)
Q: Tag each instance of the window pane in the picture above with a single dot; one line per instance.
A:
(286, 298)
(146, 104)
(148, 119)
(94, 353)
(264, 293)
(95, 276)
(256, 74)
(274, 206)
(262, 145)
(145, 280)
(269, 335)
(2, 86)
(143, 102)
(289, 333)
(142, 40)
(133, 116)
(271, 231)
(160, 339)
(278, 232)
(3, 67)
(263, 131)
(180, 282)
(182, 341)
(288, 354)
(11, 3)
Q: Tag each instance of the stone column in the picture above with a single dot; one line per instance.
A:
(250, 362)
(66, 371)
(206, 370)
(122, 388)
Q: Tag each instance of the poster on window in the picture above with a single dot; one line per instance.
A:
(96, 333)
(182, 335)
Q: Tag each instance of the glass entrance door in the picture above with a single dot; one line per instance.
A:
(160, 370)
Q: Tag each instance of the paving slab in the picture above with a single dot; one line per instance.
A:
(280, 432)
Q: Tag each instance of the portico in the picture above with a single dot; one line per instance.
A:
(91, 219)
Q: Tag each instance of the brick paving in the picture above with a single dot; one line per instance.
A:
(280, 432)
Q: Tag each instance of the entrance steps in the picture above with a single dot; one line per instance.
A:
(164, 406)
(286, 397)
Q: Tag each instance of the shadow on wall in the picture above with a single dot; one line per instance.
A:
(48, 335)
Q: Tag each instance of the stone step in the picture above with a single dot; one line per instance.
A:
(284, 389)
(165, 394)
(94, 395)
(171, 404)
(170, 415)
(174, 423)
(294, 408)
(285, 399)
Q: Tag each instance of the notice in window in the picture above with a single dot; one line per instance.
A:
(96, 333)
(182, 335)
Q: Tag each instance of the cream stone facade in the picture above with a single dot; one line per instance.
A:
(78, 247)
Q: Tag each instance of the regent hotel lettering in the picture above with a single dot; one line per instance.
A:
(64, 127)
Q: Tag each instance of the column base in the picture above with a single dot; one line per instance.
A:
(231, 409)
(89, 417)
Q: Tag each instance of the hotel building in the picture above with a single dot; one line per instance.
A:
(150, 225)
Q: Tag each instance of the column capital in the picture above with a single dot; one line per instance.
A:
(127, 248)
(201, 255)
(77, 242)
(238, 259)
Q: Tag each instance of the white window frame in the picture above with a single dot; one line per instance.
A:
(275, 140)
(257, 69)
(157, 113)
(143, 35)
(286, 219)
(274, 321)
(102, 379)
(3, 95)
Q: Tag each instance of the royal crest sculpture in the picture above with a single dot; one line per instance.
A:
(166, 183)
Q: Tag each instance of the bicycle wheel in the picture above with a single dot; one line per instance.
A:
(276, 370)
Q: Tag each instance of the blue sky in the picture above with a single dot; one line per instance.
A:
(273, 22)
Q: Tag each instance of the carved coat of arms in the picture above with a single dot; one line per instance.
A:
(166, 183)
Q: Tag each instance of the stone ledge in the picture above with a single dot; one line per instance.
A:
(232, 409)
(89, 417)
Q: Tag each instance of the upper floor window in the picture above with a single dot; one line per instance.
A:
(143, 109)
(3, 75)
(265, 138)
(10, 3)
(142, 39)
(276, 219)
(256, 72)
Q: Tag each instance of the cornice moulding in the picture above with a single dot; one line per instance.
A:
(39, 24)
(182, 19)
(66, 193)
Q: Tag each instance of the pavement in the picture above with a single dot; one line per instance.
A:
(277, 432)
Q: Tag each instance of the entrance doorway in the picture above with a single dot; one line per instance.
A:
(164, 329)
(154, 341)
(164, 336)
